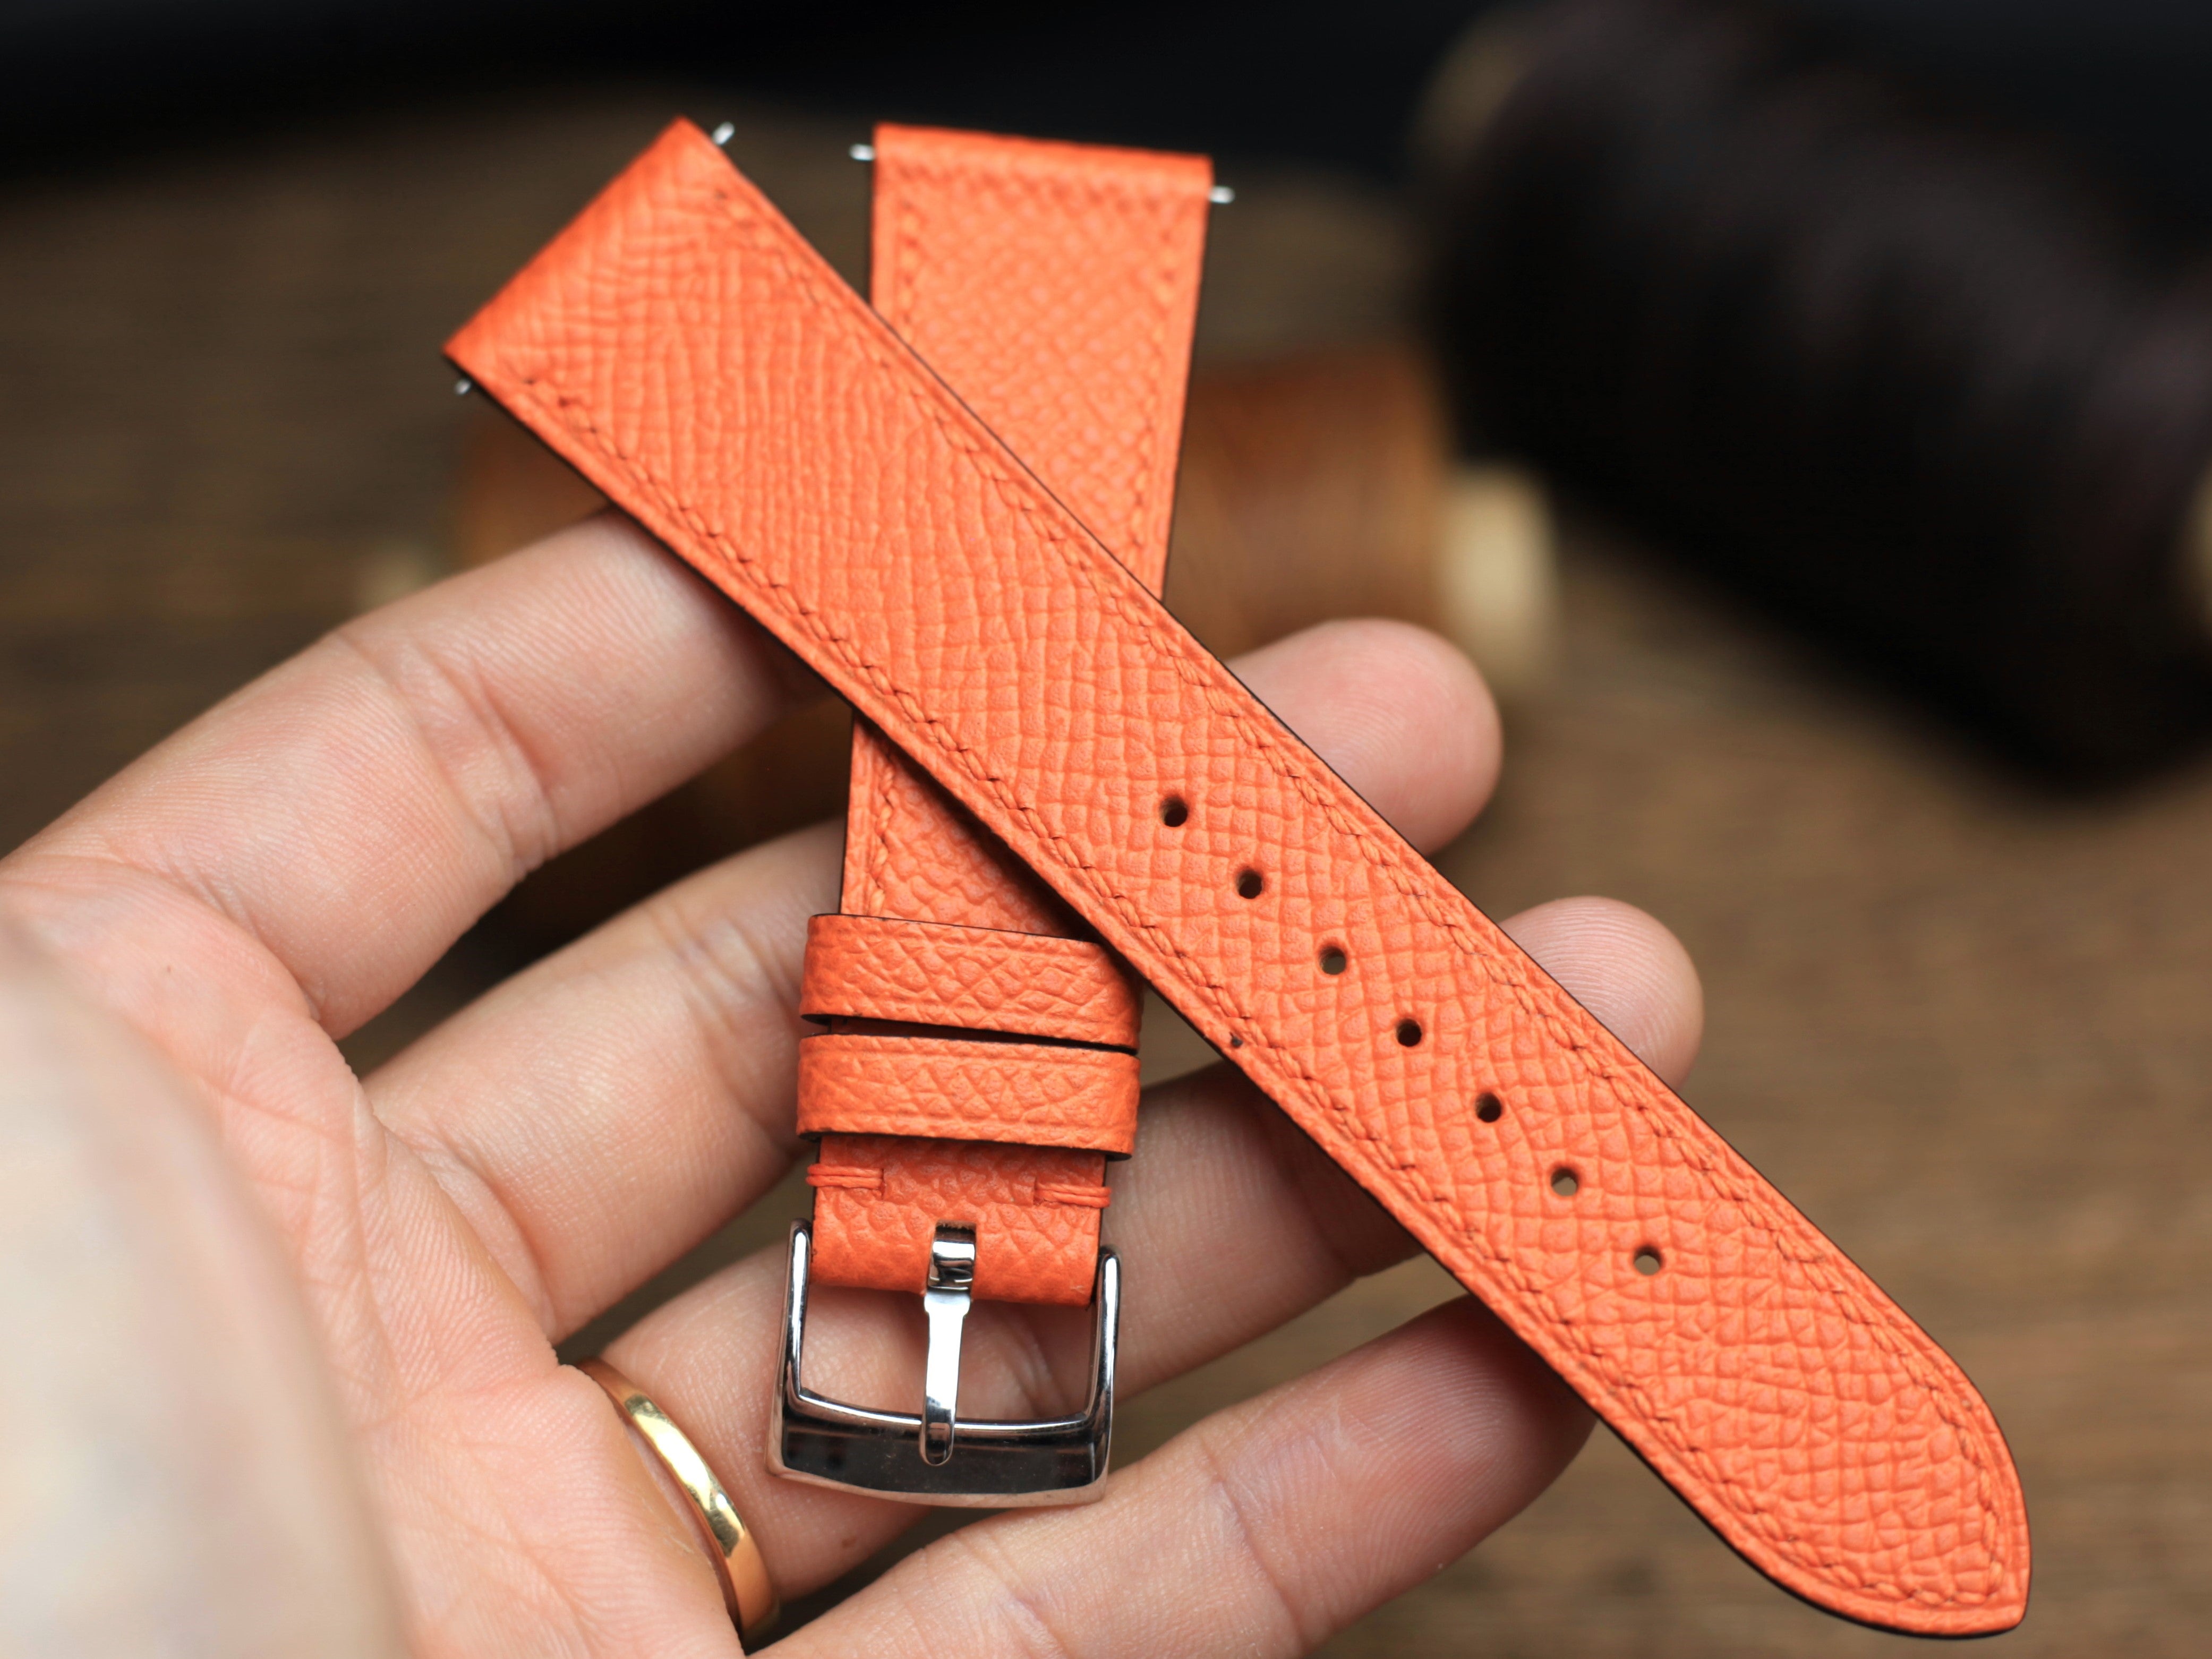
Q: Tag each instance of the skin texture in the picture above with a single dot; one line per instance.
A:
(282, 869)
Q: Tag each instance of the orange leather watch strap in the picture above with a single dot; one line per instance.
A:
(685, 348)
(1055, 287)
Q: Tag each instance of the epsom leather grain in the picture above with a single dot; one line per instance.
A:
(861, 966)
(1056, 286)
(1022, 1094)
(683, 347)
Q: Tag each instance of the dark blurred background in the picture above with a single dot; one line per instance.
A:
(1802, 413)
(1316, 82)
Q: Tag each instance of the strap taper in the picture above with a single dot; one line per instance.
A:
(686, 350)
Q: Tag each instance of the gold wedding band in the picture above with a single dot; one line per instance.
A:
(745, 1587)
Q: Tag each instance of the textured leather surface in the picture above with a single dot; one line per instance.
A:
(913, 852)
(1036, 1212)
(1030, 1094)
(1055, 287)
(1031, 984)
(683, 347)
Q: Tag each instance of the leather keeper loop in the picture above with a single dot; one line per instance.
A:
(977, 979)
(1028, 1094)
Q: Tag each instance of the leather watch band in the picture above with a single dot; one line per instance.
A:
(1055, 287)
(690, 354)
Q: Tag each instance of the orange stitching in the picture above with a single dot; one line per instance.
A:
(848, 1176)
(1062, 1192)
(1119, 191)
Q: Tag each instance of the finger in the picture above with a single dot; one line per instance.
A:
(1626, 968)
(601, 1112)
(1261, 1531)
(131, 1255)
(1400, 715)
(356, 809)
(1228, 1222)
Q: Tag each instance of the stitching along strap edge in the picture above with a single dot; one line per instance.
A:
(683, 347)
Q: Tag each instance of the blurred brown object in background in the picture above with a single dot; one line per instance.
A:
(1917, 378)
(1311, 487)
(1323, 486)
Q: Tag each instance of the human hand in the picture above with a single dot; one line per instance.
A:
(280, 871)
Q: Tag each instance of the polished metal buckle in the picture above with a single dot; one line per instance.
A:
(936, 1458)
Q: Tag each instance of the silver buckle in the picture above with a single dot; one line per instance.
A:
(936, 1458)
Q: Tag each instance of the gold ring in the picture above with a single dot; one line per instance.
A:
(746, 1590)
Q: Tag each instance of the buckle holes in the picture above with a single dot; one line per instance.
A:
(1490, 1108)
(1565, 1182)
(1409, 1033)
(1332, 959)
(1647, 1261)
(1249, 884)
(1175, 811)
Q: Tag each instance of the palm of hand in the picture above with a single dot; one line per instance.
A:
(279, 871)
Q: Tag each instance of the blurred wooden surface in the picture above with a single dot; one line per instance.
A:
(1967, 1028)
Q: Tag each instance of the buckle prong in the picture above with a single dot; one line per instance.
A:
(934, 1457)
(945, 1300)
